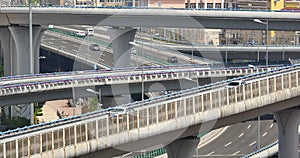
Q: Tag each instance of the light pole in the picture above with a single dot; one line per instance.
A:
(31, 57)
(157, 34)
(267, 63)
(135, 44)
(266, 38)
(99, 96)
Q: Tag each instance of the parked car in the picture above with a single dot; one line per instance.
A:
(172, 59)
(94, 47)
(235, 83)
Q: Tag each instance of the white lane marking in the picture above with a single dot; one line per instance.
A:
(236, 153)
(62, 46)
(52, 38)
(210, 153)
(228, 144)
(75, 45)
(248, 126)
(241, 135)
(64, 42)
(74, 50)
(252, 143)
(101, 59)
(50, 42)
(265, 134)
(271, 125)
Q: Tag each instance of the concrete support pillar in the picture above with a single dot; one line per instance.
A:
(7, 46)
(288, 122)
(182, 148)
(21, 39)
(120, 38)
(15, 44)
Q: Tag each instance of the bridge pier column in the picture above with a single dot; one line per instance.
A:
(288, 122)
(120, 38)
(7, 46)
(182, 148)
(15, 43)
(21, 39)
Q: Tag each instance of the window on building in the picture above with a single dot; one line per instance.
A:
(210, 5)
(201, 5)
(218, 5)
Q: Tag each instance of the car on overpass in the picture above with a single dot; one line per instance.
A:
(235, 83)
(173, 59)
(81, 34)
(94, 47)
(115, 111)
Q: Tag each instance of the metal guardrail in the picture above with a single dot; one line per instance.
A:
(261, 150)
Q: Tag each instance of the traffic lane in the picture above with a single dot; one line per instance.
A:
(222, 145)
(100, 33)
(240, 139)
(81, 49)
(161, 55)
(103, 56)
(250, 142)
(164, 55)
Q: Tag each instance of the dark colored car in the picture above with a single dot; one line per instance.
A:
(172, 59)
(94, 47)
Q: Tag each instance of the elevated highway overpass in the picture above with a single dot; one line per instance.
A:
(254, 53)
(43, 87)
(148, 17)
(170, 118)
(15, 26)
(78, 49)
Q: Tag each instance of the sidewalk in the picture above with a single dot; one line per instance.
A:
(50, 109)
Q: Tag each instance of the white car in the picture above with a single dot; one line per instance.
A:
(81, 33)
(119, 111)
(235, 83)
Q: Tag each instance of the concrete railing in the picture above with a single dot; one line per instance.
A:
(87, 133)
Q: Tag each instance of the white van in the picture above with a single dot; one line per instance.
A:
(89, 31)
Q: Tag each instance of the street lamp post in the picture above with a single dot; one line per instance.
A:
(135, 44)
(157, 34)
(266, 38)
(31, 60)
(267, 63)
